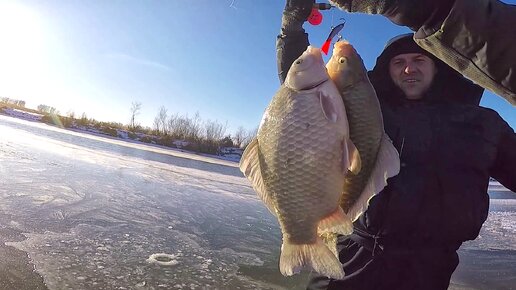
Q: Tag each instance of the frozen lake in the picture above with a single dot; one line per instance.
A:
(87, 213)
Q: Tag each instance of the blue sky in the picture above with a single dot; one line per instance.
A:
(216, 58)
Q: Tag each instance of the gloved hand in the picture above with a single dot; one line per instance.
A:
(296, 12)
(411, 13)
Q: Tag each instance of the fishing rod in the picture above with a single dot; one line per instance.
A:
(323, 6)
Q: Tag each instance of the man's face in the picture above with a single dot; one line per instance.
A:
(413, 73)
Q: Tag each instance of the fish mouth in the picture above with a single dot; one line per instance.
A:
(315, 51)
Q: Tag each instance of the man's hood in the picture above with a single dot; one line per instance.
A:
(448, 85)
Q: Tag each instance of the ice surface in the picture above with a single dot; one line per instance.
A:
(489, 261)
(91, 211)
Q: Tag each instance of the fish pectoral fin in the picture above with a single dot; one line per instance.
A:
(328, 107)
(249, 159)
(317, 256)
(350, 158)
(250, 167)
(387, 165)
(337, 222)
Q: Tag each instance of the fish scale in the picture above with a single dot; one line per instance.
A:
(304, 155)
(379, 158)
(297, 165)
(366, 131)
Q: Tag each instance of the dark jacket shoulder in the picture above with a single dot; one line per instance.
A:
(477, 39)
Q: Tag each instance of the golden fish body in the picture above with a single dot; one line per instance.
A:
(298, 162)
(379, 158)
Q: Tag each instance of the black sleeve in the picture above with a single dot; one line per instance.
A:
(504, 167)
(474, 40)
(289, 46)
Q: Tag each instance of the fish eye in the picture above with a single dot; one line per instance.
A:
(298, 61)
(342, 60)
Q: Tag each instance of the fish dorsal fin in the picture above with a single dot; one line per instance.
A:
(387, 165)
(350, 158)
(328, 107)
(250, 167)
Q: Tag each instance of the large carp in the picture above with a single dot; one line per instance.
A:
(297, 165)
(379, 158)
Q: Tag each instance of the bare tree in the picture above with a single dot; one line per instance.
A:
(195, 128)
(45, 109)
(239, 136)
(213, 135)
(214, 131)
(184, 127)
(160, 121)
(162, 117)
(18, 103)
(70, 114)
(251, 134)
(83, 121)
(176, 126)
(135, 111)
(156, 125)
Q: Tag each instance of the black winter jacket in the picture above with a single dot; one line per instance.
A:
(449, 147)
(477, 39)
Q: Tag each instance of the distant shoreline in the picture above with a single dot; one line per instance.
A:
(37, 118)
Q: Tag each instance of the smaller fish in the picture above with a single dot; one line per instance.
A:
(379, 158)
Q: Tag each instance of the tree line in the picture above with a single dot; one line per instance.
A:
(172, 130)
(202, 135)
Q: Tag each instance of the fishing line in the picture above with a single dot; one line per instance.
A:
(332, 22)
(335, 31)
(339, 36)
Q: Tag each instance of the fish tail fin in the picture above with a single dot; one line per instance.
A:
(387, 165)
(337, 222)
(294, 257)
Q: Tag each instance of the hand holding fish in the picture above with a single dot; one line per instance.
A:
(412, 14)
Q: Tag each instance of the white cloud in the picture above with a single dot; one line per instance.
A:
(139, 61)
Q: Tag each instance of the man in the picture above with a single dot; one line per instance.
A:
(475, 37)
(413, 73)
(449, 147)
